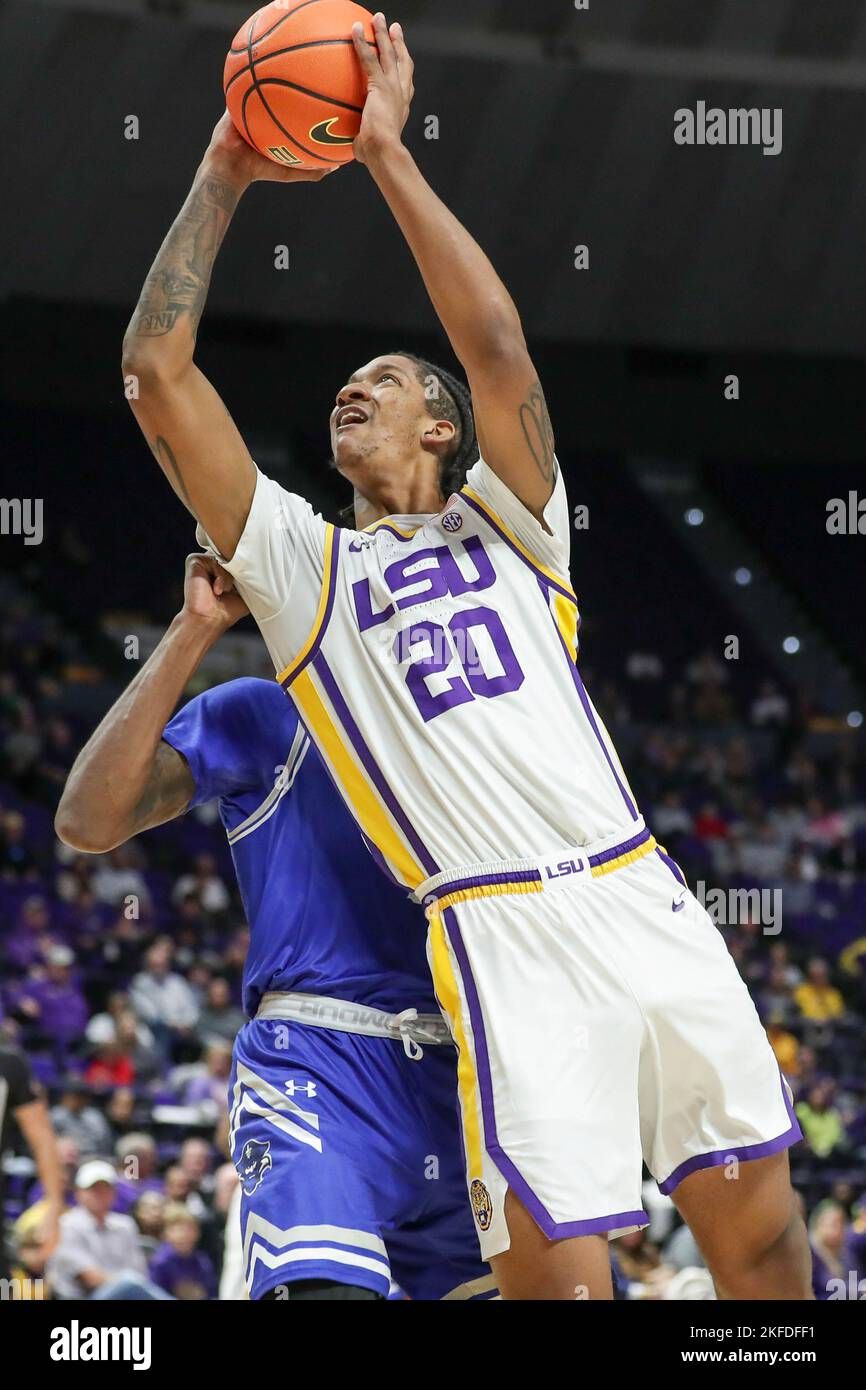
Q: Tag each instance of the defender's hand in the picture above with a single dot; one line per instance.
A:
(388, 69)
(209, 594)
(231, 154)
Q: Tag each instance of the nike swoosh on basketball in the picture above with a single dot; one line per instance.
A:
(321, 133)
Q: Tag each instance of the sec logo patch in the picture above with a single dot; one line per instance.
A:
(482, 1206)
(452, 521)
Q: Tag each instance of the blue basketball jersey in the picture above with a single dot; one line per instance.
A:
(323, 918)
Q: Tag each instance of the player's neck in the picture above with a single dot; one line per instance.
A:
(405, 501)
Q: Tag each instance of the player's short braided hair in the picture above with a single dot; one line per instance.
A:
(450, 399)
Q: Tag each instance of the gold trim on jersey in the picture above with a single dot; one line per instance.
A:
(327, 580)
(566, 617)
(386, 521)
(448, 994)
(518, 544)
(367, 806)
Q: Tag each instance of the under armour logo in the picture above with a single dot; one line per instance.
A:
(308, 1087)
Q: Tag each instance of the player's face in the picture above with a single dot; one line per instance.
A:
(381, 422)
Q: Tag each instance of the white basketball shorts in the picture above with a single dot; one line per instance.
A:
(599, 1020)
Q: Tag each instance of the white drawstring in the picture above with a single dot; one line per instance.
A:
(413, 1050)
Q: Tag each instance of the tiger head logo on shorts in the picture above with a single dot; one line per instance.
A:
(482, 1206)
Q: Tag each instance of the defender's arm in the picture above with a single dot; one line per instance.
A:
(127, 778)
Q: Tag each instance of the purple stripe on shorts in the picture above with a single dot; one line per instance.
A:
(326, 676)
(554, 1230)
(560, 588)
(673, 866)
(329, 606)
(718, 1157)
(615, 851)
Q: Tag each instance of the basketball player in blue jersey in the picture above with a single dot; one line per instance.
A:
(431, 654)
(343, 1094)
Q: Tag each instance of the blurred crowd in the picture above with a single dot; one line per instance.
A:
(120, 974)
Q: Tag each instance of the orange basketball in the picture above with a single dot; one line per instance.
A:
(294, 87)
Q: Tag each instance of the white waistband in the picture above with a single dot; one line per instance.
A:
(318, 1011)
(429, 890)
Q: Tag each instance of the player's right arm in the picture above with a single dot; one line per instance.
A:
(187, 426)
(127, 778)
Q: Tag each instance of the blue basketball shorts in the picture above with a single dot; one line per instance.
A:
(351, 1164)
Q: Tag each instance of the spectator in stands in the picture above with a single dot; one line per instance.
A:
(816, 998)
(808, 1073)
(119, 879)
(117, 1015)
(99, 1254)
(196, 1162)
(777, 997)
(76, 1119)
(710, 824)
(779, 955)
(121, 1111)
(51, 1001)
(179, 1188)
(826, 826)
(827, 1230)
(149, 1216)
(210, 1088)
(219, 1018)
(856, 1244)
(21, 748)
(69, 1158)
(206, 884)
(16, 861)
(770, 708)
(784, 1044)
(111, 1065)
(32, 937)
(137, 1161)
(639, 1261)
(820, 1120)
(56, 758)
(670, 817)
(762, 855)
(179, 1267)
(162, 998)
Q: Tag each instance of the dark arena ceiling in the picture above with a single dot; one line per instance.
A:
(556, 129)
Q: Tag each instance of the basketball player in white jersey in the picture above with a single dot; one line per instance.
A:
(431, 654)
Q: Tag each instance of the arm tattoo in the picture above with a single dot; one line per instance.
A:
(538, 432)
(180, 276)
(164, 455)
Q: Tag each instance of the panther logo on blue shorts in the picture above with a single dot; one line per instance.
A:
(254, 1162)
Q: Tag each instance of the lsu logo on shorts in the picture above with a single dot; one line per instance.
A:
(482, 1205)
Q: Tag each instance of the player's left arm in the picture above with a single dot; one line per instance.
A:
(473, 305)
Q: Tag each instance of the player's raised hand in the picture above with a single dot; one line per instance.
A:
(209, 594)
(388, 69)
(231, 153)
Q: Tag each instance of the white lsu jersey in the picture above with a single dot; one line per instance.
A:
(432, 660)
